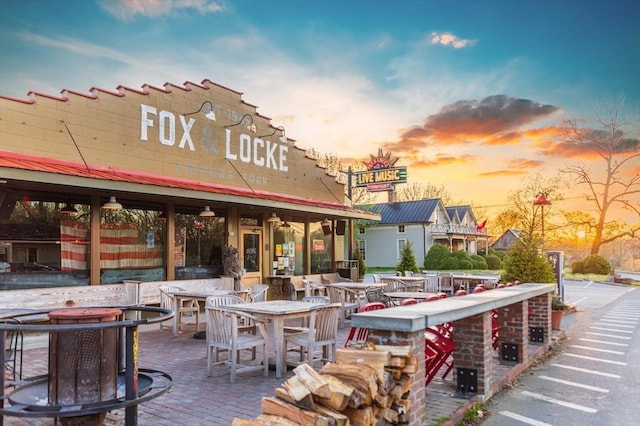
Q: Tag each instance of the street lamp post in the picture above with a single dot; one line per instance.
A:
(542, 201)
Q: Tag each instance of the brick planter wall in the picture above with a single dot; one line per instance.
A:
(417, 391)
(514, 331)
(472, 337)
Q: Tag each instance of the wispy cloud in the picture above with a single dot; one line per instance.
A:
(448, 39)
(126, 10)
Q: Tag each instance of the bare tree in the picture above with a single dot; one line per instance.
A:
(523, 214)
(423, 191)
(616, 141)
(334, 167)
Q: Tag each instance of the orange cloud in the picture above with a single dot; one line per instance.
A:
(495, 120)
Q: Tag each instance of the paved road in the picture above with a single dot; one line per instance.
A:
(595, 377)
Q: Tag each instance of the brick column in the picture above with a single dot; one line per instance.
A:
(474, 351)
(417, 390)
(540, 315)
(513, 338)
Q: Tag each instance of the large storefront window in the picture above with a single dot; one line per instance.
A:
(288, 248)
(132, 246)
(199, 246)
(321, 249)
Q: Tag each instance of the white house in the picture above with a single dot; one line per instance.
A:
(423, 223)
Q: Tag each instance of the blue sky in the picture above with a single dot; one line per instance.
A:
(348, 77)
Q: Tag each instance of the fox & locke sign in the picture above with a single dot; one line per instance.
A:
(380, 174)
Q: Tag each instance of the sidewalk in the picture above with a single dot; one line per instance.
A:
(195, 399)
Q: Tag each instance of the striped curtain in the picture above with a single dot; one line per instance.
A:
(121, 247)
(74, 246)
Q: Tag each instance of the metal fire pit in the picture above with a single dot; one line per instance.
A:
(132, 386)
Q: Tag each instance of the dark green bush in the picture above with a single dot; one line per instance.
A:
(493, 262)
(577, 267)
(465, 264)
(461, 255)
(478, 262)
(436, 257)
(451, 263)
(596, 264)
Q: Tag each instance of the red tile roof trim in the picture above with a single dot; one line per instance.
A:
(49, 165)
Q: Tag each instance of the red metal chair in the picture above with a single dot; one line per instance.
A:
(360, 334)
(478, 289)
(460, 293)
(432, 298)
(408, 301)
(439, 350)
(495, 328)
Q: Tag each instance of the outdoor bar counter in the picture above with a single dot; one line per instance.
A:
(523, 315)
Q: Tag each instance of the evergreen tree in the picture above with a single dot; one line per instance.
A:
(407, 260)
(526, 263)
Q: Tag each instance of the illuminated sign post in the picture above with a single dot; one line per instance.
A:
(380, 174)
(381, 180)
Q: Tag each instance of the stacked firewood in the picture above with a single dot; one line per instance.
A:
(365, 387)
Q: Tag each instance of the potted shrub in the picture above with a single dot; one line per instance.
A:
(557, 311)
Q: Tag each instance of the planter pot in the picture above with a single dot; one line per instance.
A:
(556, 319)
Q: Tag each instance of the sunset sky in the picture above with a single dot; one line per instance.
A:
(466, 94)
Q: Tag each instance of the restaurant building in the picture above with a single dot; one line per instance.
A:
(158, 183)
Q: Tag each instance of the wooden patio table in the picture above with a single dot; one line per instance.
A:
(199, 295)
(277, 311)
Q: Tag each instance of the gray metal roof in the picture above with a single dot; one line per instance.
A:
(418, 211)
(460, 210)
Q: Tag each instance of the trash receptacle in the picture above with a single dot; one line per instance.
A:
(83, 364)
(348, 269)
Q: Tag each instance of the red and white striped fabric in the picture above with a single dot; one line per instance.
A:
(74, 246)
(120, 247)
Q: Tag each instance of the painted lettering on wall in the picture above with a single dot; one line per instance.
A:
(257, 151)
(166, 127)
(243, 148)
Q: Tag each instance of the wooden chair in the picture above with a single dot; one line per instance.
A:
(343, 297)
(312, 288)
(219, 301)
(445, 283)
(322, 333)
(258, 292)
(224, 333)
(187, 306)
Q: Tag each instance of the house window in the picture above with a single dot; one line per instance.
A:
(401, 244)
(361, 230)
(401, 229)
(362, 248)
(32, 255)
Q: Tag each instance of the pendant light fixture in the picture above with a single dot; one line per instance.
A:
(207, 212)
(112, 204)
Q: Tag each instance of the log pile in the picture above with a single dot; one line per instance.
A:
(364, 387)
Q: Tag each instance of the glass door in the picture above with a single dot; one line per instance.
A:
(251, 252)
